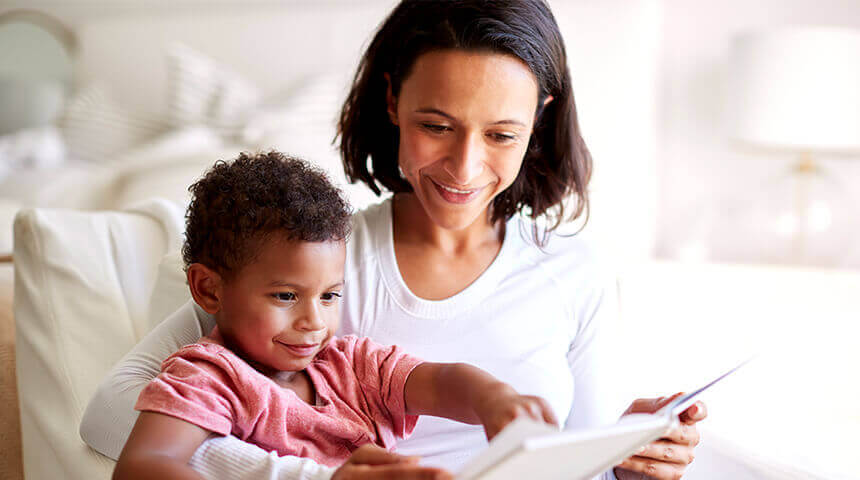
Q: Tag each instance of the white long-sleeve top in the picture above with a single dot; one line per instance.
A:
(541, 320)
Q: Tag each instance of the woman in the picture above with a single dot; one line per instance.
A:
(465, 111)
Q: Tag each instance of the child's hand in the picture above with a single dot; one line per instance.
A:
(501, 405)
(370, 462)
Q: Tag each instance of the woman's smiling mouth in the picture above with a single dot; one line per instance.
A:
(456, 195)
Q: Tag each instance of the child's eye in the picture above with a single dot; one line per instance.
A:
(330, 296)
(285, 296)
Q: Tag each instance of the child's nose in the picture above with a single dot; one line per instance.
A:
(311, 318)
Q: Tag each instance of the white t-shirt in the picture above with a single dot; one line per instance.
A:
(541, 320)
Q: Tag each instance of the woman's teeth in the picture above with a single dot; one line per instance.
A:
(454, 190)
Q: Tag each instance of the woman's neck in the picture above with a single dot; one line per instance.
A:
(413, 225)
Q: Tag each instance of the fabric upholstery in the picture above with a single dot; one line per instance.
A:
(82, 287)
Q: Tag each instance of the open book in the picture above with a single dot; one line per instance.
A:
(537, 451)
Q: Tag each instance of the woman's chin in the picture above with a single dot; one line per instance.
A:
(457, 218)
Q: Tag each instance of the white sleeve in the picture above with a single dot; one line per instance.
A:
(597, 400)
(229, 457)
(110, 414)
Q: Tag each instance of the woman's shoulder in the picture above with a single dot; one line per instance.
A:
(564, 250)
(368, 224)
(371, 217)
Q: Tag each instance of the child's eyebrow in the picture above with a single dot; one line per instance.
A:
(280, 283)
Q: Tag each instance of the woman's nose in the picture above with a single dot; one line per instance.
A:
(466, 162)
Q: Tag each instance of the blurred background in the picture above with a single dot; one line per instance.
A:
(724, 140)
(726, 144)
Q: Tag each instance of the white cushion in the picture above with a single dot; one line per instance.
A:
(82, 287)
(304, 124)
(170, 290)
(202, 92)
(96, 128)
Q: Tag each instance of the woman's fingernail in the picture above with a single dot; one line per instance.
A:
(693, 411)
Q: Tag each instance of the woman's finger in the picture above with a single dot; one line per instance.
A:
(683, 435)
(653, 468)
(696, 413)
(667, 451)
(650, 405)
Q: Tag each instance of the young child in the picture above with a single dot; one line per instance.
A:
(264, 253)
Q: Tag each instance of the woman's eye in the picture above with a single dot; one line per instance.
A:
(285, 296)
(330, 296)
(435, 128)
(503, 137)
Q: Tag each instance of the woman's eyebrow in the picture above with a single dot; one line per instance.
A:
(449, 117)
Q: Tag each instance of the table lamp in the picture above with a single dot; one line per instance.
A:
(797, 92)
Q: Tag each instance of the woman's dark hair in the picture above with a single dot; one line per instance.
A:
(557, 163)
(238, 204)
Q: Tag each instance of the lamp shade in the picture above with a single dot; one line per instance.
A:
(798, 88)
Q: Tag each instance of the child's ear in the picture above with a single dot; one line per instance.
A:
(205, 285)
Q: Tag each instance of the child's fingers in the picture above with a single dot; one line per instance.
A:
(369, 454)
(390, 472)
(546, 412)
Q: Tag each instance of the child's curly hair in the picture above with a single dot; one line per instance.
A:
(238, 204)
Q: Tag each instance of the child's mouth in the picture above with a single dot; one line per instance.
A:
(303, 350)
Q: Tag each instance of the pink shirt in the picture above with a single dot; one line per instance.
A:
(359, 387)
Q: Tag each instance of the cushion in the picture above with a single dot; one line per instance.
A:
(202, 92)
(304, 124)
(41, 147)
(82, 287)
(170, 290)
(96, 128)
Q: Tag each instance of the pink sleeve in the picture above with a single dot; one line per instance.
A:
(382, 372)
(196, 385)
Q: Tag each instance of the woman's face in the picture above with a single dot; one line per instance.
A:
(465, 119)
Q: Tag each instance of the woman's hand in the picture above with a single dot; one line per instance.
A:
(501, 405)
(370, 462)
(668, 457)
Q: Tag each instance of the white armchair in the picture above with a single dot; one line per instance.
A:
(82, 291)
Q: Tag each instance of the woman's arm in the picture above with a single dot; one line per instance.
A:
(160, 447)
(599, 381)
(470, 395)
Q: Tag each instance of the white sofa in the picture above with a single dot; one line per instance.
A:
(84, 285)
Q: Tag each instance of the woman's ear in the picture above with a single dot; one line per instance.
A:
(205, 285)
(390, 100)
(546, 101)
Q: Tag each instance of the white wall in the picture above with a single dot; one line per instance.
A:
(704, 180)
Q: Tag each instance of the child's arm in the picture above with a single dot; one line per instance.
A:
(160, 447)
(468, 394)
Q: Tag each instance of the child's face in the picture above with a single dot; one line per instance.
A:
(282, 309)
